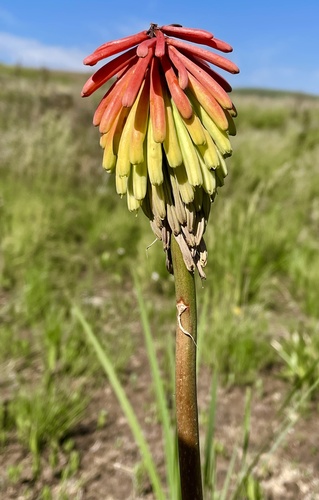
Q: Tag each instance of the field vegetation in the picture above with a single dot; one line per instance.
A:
(66, 240)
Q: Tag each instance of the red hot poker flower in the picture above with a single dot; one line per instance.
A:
(165, 123)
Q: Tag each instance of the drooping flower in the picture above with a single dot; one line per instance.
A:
(165, 122)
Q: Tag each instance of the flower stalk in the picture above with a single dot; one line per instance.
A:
(164, 123)
(185, 383)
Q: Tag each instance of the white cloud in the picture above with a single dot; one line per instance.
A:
(32, 53)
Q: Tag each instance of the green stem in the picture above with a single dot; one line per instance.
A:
(186, 392)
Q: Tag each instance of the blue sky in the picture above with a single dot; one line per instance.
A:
(276, 43)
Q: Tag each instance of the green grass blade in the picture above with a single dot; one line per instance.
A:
(170, 349)
(125, 405)
(169, 439)
(225, 491)
(209, 454)
(171, 369)
(246, 426)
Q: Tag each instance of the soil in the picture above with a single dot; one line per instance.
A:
(109, 456)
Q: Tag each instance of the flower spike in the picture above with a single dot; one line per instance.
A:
(110, 48)
(180, 66)
(178, 95)
(190, 34)
(107, 71)
(157, 108)
(165, 123)
(205, 54)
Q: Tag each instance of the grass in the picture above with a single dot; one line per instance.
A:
(239, 481)
(66, 237)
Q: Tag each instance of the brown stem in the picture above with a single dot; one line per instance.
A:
(186, 392)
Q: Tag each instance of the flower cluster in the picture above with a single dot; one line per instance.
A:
(165, 122)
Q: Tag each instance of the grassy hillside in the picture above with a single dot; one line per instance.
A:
(66, 237)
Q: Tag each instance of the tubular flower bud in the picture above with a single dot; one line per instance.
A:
(165, 123)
